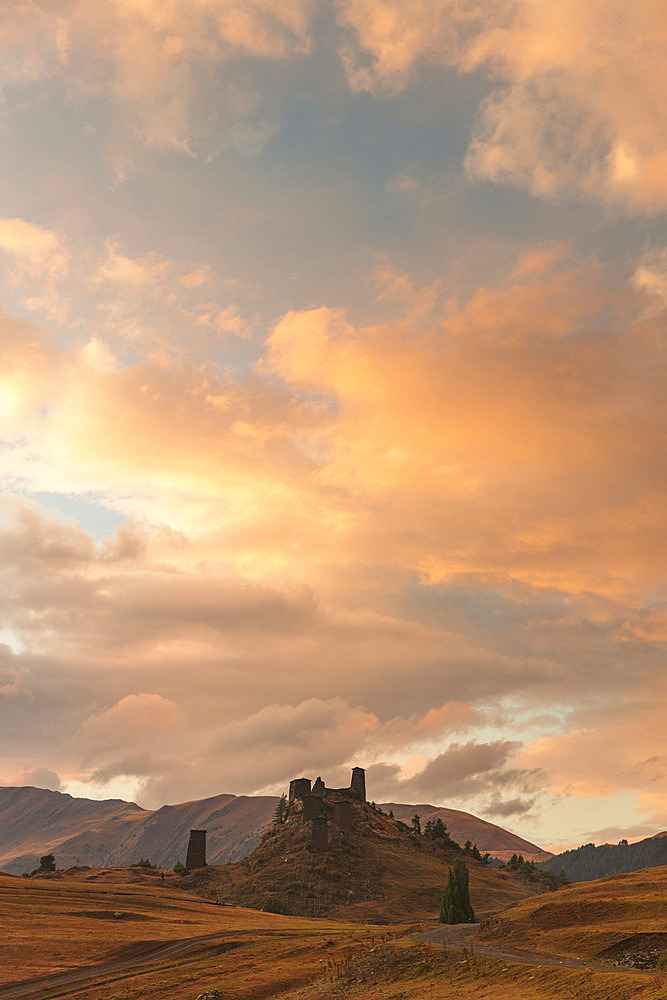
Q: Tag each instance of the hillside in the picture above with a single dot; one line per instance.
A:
(107, 833)
(118, 940)
(591, 862)
(613, 919)
(464, 826)
(114, 833)
(372, 870)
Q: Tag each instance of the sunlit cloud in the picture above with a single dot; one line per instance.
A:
(332, 402)
(572, 107)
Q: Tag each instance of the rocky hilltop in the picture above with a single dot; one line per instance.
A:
(365, 866)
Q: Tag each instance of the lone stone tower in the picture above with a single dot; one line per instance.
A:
(358, 784)
(298, 787)
(196, 857)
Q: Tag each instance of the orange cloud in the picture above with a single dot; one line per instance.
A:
(614, 751)
(508, 442)
(456, 506)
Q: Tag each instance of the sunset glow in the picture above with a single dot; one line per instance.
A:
(333, 403)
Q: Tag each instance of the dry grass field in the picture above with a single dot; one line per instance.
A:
(125, 935)
(588, 917)
(55, 925)
(403, 971)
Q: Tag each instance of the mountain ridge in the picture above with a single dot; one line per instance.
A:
(113, 833)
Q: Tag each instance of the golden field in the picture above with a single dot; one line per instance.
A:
(128, 935)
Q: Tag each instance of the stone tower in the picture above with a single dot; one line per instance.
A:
(196, 857)
(358, 783)
(298, 787)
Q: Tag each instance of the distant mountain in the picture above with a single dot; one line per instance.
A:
(590, 862)
(113, 833)
(464, 826)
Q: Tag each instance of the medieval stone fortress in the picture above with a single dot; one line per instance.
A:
(328, 810)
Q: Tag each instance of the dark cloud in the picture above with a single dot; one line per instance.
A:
(508, 807)
(462, 769)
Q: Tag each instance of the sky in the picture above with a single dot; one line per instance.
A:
(332, 403)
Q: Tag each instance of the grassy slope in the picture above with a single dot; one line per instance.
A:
(53, 924)
(464, 826)
(586, 918)
(375, 871)
(402, 972)
(49, 923)
(34, 821)
(578, 922)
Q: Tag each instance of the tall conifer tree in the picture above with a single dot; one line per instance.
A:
(456, 906)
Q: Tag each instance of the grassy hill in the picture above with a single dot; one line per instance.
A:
(377, 870)
(605, 918)
(96, 924)
(464, 826)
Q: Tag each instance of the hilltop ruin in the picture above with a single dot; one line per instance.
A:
(322, 806)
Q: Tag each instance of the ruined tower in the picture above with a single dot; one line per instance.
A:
(196, 857)
(298, 787)
(319, 834)
(358, 783)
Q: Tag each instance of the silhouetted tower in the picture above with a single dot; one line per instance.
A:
(358, 784)
(298, 787)
(196, 857)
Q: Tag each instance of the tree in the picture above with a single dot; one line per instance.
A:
(416, 824)
(47, 863)
(456, 906)
(280, 815)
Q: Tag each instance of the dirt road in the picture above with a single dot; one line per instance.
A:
(466, 936)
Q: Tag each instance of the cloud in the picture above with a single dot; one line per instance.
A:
(516, 395)
(13, 676)
(172, 754)
(510, 807)
(133, 304)
(40, 777)
(152, 61)
(462, 769)
(140, 735)
(651, 277)
(34, 249)
(572, 106)
(356, 551)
